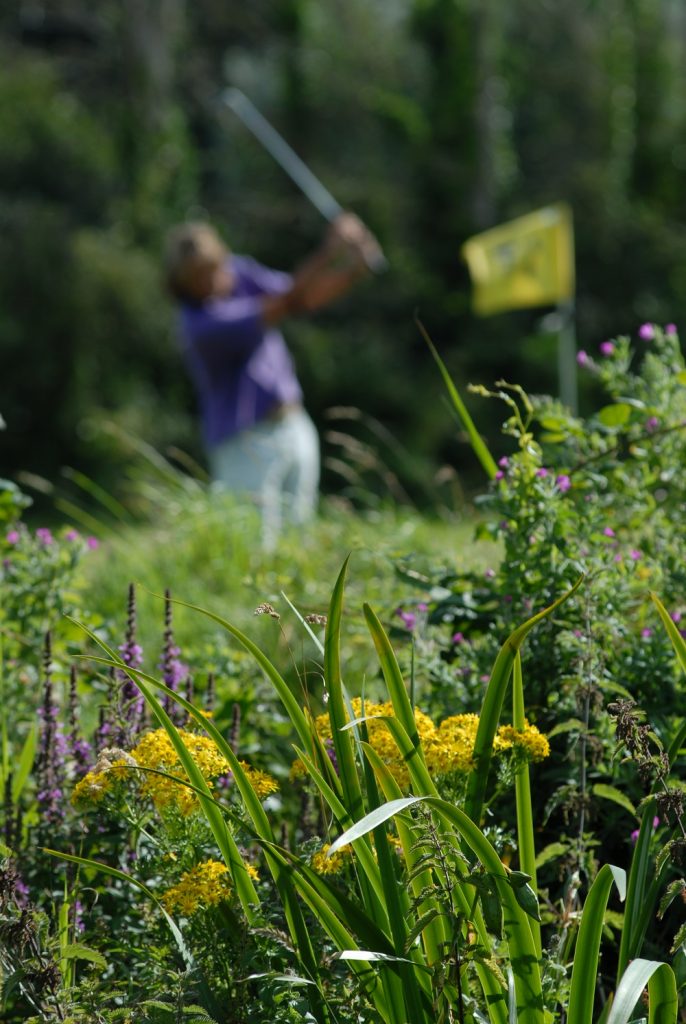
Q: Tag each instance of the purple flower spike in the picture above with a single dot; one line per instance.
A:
(606, 348)
(646, 332)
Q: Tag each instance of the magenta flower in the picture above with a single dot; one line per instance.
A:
(542, 472)
(646, 633)
(44, 536)
(583, 358)
(646, 332)
(12, 537)
(563, 482)
(92, 543)
(422, 606)
(634, 834)
(670, 329)
(504, 462)
(458, 638)
(652, 423)
(72, 536)
(499, 474)
(608, 531)
(676, 616)
(635, 554)
(606, 348)
(409, 619)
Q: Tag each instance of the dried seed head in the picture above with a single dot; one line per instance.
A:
(267, 609)
(316, 620)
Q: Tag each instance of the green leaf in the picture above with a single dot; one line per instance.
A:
(77, 951)
(615, 795)
(582, 991)
(551, 852)
(616, 415)
(26, 759)
(662, 994)
(371, 821)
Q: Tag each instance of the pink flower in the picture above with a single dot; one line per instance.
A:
(92, 543)
(652, 423)
(606, 348)
(72, 535)
(490, 574)
(44, 536)
(499, 474)
(542, 472)
(646, 332)
(12, 537)
(563, 482)
(646, 633)
(670, 329)
(608, 531)
(458, 638)
(635, 554)
(676, 616)
(504, 462)
(582, 358)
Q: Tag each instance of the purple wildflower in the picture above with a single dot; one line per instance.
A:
(646, 633)
(670, 329)
(635, 554)
(542, 471)
(652, 423)
(563, 482)
(92, 543)
(503, 462)
(583, 358)
(608, 531)
(458, 638)
(131, 702)
(646, 332)
(606, 348)
(499, 474)
(12, 537)
(79, 748)
(174, 672)
(409, 619)
(44, 535)
(676, 616)
(331, 752)
(490, 574)
(49, 764)
(72, 536)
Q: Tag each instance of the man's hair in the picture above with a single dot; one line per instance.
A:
(187, 245)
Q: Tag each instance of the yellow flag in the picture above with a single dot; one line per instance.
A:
(526, 262)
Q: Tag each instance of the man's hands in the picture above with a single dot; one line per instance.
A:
(348, 252)
(348, 239)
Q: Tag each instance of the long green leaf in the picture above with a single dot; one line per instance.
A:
(525, 822)
(639, 873)
(662, 993)
(582, 990)
(674, 635)
(492, 705)
(26, 759)
(478, 445)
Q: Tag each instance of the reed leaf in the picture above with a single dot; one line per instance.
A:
(493, 702)
(582, 991)
(525, 822)
(662, 993)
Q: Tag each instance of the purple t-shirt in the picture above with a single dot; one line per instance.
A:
(241, 368)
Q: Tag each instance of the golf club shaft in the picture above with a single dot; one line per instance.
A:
(288, 160)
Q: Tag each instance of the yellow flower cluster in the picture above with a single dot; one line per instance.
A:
(155, 750)
(112, 764)
(448, 748)
(528, 741)
(205, 885)
(324, 865)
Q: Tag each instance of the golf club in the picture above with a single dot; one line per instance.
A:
(289, 161)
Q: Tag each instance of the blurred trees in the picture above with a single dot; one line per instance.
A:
(431, 118)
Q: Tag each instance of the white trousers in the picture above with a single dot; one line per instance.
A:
(276, 463)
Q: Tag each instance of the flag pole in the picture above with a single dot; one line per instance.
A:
(566, 356)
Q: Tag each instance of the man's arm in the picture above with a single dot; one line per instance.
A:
(331, 271)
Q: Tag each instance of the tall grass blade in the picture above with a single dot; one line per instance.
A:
(662, 993)
(635, 921)
(478, 445)
(582, 989)
(493, 702)
(525, 822)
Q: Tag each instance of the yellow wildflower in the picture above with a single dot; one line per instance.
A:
(528, 741)
(111, 763)
(155, 750)
(451, 748)
(324, 865)
(205, 885)
(379, 736)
